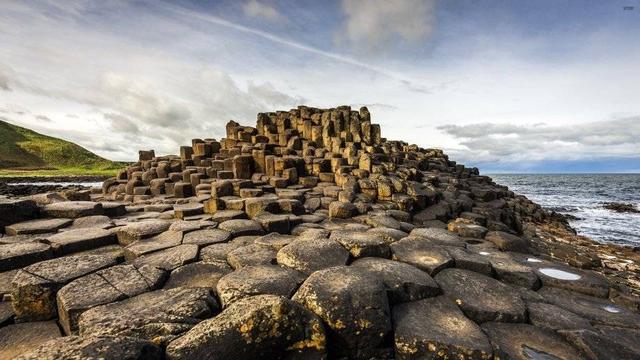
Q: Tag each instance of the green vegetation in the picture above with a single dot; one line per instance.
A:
(24, 152)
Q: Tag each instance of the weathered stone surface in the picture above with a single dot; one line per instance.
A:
(404, 282)
(159, 316)
(18, 339)
(37, 226)
(6, 312)
(597, 311)
(200, 274)
(353, 306)
(102, 287)
(169, 259)
(341, 210)
(224, 215)
(219, 252)
(507, 242)
(77, 240)
(140, 230)
(102, 347)
(438, 236)
(526, 342)
(72, 209)
(16, 210)
(511, 271)
(165, 240)
(275, 240)
(422, 254)
(596, 345)
(436, 329)
(17, 255)
(242, 227)
(251, 255)
(586, 282)
(311, 254)
(206, 237)
(481, 298)
(185, 210)
(34, 288)
(361, 244)
(257, 327)
(257, 280)
(467, 260)
(551, 317)
(96, 221)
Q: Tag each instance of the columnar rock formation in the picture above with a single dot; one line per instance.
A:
(307, 236)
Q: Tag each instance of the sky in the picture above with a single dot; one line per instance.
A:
(507, 86)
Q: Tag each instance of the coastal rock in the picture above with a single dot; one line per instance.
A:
(436, 329)
(206, 237)
(251, 255)
(524, 342)
(403, 282)
(242, 227)
(102, 347)
(257, 280)
(354, 307)
(77, 240)
(16, 210)
(169, 259)
(102, 287)
(34, 288)
(37, 226)
(158, 316)
(361, 244)
(140, 230)
(17, 255)
(481, 298)
(72, 209)
(17, 339)
(422, 254)
(312, 254)
(507, 242)
(200, 274)
(256, 327)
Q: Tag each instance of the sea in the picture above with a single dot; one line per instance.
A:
(583, 196)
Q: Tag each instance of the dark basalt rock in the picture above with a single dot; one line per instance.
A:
(311, 254)
(361, 244)
(436, 329)
(34, 288)
(37, 226)
(158, 316)
(481, 298)
(256, 327)
(201, 274)
(72, 209)
(76, 240)
(16, 255)
(354, 307)
(422, 254)
(17, 339)
(526, 342)
(258, 280)
(621, 207)
(101, 347)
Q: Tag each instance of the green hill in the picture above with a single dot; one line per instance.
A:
(23, 150)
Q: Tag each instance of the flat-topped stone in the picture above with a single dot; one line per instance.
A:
(159, 316)
(437, 236)
(242, 227)
(37, 226)
(34, 288)
(200, 274)
(165, 240)
(311, 254)
(551, 317)
(354, 307)
(18, 339)
(422, 254)
(526, 342)
(507, 242)
(95, 221)
(100, 347)
(140, 230)
(169, 259)
(436, 329)
(257, 280)
(206, 237)
(76, 240)
(361, 244)
(257, 327)
(102, 287)
(251, 255)
(404, 282)
(72, 209)
(17, 255)
(480, 297)
(16, 210)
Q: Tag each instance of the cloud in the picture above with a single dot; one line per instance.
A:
(373, 25)
(122, 124)
(490, 142)
(43, 118)
(257, 9)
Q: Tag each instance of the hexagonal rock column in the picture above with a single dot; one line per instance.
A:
(257, 327)
(103, 287)
(159, 316)
(353, 305)
(257, 280)
(481, 298)
(436, 329)
(104, 347)
(34, 288)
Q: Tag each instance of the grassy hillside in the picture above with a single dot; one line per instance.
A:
(26, 151)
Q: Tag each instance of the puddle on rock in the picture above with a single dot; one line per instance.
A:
(560, 274)
(612, 309)
(534, 260)
(484, 253)
(533, 354)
